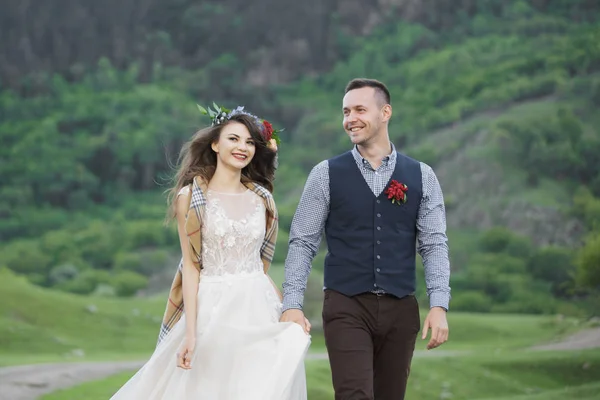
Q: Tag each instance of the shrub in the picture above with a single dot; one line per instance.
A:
(85, 282)
(503, 240)
(127, 283)
(471, 301)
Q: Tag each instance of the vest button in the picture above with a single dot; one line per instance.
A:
(378, 201)
(378, 256)
(378, 228)
(379, 215)
(378, 270)
(378, 242)
(375, 284)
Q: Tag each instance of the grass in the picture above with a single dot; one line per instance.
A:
(50, 325)
(583, 392)
(488, 375)
(41, 325)
(523, 376)
(501, 332)
(45, 326)
(101, 389)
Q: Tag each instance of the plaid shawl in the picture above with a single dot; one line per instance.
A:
(193, 227)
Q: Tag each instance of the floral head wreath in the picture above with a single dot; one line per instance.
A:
(220, 114)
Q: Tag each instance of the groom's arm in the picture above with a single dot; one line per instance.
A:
(305, 235)
(432, 242)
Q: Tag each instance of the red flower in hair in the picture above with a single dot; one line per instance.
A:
(397, 192)
(268, 130)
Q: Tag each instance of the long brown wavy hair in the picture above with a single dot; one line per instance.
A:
(197, 158)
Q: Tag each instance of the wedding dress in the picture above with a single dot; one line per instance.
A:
(242, 350)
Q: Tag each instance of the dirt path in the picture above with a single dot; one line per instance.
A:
(586, 339)
(29, 382)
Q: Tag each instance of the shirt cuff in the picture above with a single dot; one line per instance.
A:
(439, 299)
(292, 301)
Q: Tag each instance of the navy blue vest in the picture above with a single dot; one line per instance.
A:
(371, 242)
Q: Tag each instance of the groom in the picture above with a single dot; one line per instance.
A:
(377, 208)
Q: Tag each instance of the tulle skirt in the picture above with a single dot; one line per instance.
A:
(242, 350)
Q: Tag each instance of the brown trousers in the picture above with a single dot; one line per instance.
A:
(370, 340)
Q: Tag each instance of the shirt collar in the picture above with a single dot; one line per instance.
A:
(390, 159)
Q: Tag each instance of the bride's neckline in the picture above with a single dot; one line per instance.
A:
(229, 193)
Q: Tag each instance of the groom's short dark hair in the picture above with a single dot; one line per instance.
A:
(380, 88)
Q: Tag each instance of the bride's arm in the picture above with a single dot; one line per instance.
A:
(190, 274)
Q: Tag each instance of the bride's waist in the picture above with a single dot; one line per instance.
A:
(230, 276)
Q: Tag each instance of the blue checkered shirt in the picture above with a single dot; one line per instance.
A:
(309, 222)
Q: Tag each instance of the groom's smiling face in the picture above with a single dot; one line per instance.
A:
(363, 114)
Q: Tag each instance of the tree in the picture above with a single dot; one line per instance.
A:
(553, 265)
(588, 262)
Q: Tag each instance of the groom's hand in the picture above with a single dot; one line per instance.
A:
(297, 316)
(436, 320)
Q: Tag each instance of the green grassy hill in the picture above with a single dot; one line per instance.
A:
(486, 356)
(501, 100)
(457, 106)
(43, 324)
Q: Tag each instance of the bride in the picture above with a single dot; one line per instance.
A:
(227, 342)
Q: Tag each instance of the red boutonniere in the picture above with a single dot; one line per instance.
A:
(396, 192)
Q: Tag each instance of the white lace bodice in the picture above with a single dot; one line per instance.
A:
(233, 231)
